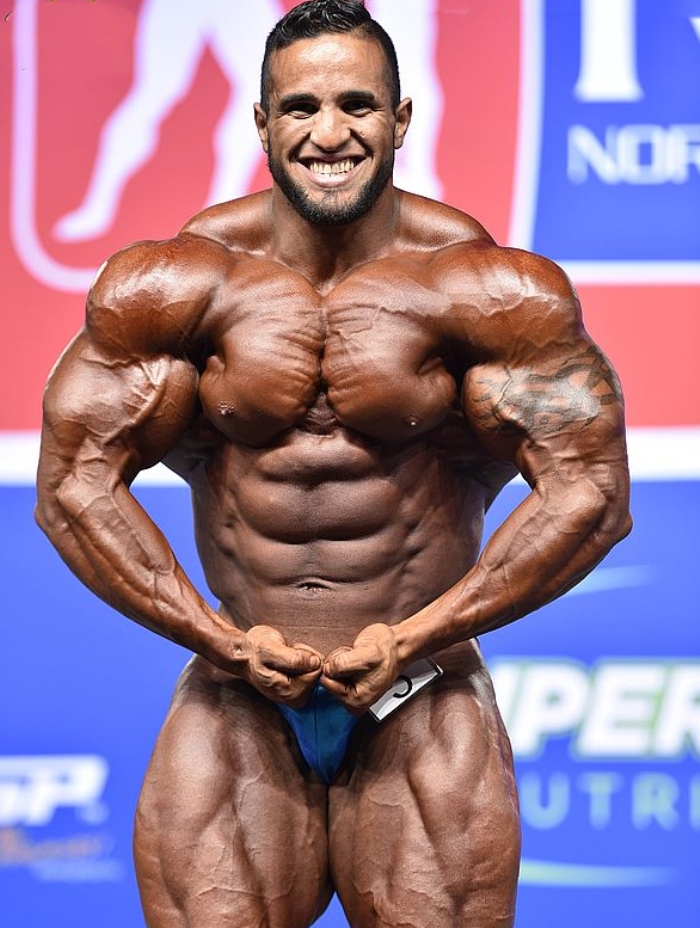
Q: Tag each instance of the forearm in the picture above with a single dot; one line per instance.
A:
(112, 546)
(550, 542)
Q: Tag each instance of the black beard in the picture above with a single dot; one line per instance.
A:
(326, 213)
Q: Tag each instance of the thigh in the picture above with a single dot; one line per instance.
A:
(229, 829)
(426, 829)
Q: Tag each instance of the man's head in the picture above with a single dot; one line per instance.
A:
(330, 115)
(323, 17)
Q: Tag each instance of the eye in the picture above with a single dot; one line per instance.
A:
(301, 111)
(298, 108)
(357, 107)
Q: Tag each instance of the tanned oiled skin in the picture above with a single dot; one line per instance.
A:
(345, 405)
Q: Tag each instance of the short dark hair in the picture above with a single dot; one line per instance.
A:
(320, 17)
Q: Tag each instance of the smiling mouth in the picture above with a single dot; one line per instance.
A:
(332, 167)
(331, 173)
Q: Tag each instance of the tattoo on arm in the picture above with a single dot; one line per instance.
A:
(540, 405)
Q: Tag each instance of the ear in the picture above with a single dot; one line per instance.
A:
(261, 124)
(402, 115)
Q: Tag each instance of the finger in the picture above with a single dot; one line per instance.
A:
(273, 685)
(283, 688)
(300, 691)
(268, 647)
(301, 646)
(291, 661)
(343, 664)
(347, 695)
(336, 687)
(307, 649)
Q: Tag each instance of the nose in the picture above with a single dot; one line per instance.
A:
(331, 129)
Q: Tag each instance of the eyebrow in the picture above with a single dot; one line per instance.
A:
(291, 99)
(294, 99)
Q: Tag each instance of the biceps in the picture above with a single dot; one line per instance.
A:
(567, 406)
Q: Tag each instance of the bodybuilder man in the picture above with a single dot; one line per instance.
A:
(346, 375)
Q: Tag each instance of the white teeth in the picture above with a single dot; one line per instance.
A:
(336, 167)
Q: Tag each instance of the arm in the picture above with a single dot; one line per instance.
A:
(118, 401)
(542, 396)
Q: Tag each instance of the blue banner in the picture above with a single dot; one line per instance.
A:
(618, 173)
(600, 691)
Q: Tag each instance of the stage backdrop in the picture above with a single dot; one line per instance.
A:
(571, 127)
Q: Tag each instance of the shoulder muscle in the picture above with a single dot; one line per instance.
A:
(508, 304)
(149, 297)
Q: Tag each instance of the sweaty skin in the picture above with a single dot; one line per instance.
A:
(345, 403)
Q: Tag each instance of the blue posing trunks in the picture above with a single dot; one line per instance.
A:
(322, 728)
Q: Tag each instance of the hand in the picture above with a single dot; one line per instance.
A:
(359, 675)
(281, 673)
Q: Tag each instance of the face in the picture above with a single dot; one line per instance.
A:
(330, 131)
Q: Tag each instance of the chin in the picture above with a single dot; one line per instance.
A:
(324, 213)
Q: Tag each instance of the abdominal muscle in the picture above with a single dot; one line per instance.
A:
(324, 534)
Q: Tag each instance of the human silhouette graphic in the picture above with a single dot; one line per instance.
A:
(172, 36)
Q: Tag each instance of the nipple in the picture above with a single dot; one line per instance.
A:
(226, 409)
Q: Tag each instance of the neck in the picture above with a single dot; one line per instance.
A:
(323, 253)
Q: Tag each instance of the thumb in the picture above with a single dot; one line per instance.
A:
(304, 659)
(343, 662)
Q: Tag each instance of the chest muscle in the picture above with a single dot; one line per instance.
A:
(369, 351)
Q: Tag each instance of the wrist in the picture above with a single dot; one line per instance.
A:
(223, 644)
(425, 633)
(406, 643)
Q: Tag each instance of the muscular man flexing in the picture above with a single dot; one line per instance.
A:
(346, 375)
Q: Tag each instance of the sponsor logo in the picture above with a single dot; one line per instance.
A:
(634, 154)
(609, 129)
(617, 709)
(42, 795)
(632, 729)
(165, 51)
(33, 789)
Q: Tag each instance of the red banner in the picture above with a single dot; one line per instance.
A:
(120, 118)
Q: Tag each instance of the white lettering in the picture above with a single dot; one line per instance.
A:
(683, 150)
(544, 813)
(622, 710)
(551, 701)
(678, 723)
(33, 788)
(600, 787)
(585, 151)
(637, 154)
(608, 69)
(619, 709)
(642, 154)
(694, 803)
(646, 800)
(654, 798)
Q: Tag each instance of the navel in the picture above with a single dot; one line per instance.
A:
(314, 586)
